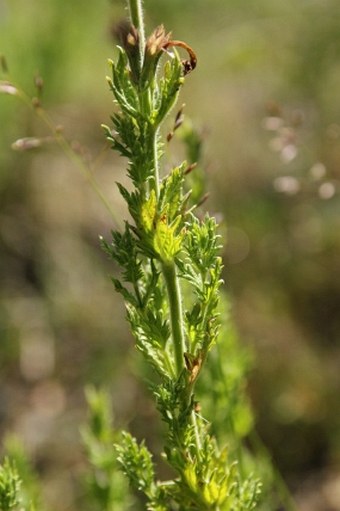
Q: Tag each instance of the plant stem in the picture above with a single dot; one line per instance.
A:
(136, 15)
(156, 162)
(176, 314)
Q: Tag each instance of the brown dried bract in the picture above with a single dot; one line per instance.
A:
(157, 41)
(188, 64)
(160, 40)
(193, 365)
(126, 34)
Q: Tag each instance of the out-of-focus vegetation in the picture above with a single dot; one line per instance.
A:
(265, 96)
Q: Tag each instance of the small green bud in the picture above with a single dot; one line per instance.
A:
(148, 212)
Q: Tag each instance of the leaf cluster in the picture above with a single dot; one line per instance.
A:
(106, 487)
(10, 483)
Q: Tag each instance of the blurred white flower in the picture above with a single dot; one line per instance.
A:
(8, 88)
(317, 171)
(327, 190)
(287, 184)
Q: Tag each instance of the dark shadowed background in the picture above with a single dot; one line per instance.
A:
(265, 97)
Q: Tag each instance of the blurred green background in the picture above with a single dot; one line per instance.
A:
(265, 97)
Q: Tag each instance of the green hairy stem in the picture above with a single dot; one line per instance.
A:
(136, 15)
(176, 315)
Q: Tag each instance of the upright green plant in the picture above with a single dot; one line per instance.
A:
(171, 275)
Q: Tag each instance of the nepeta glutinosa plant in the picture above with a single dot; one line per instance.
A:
(170, 279)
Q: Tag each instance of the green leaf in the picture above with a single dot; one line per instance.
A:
(171, 193)
(202, 242)
(169, 86)
(148, 212)
(166, 242)
(136, 462)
